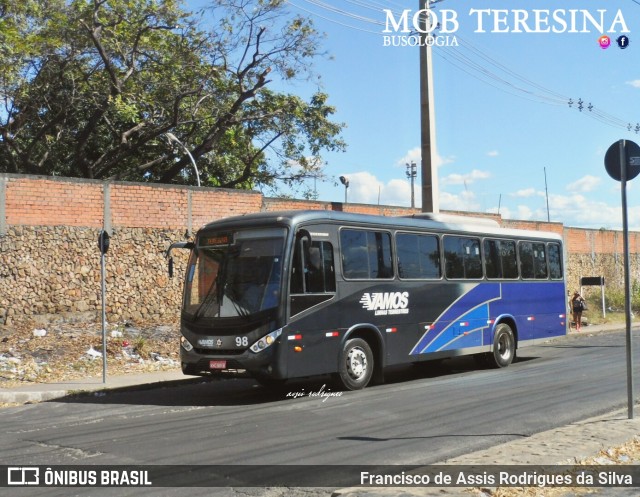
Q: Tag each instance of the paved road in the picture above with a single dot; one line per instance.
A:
(419, 416)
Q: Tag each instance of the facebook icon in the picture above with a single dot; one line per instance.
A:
(623, 41)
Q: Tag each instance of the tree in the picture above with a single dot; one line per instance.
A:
(92, 87)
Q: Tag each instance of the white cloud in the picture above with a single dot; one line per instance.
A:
(464, 201)
(578, 210)
(635, 83)
(574, 209)
(527, 192)
(524, 212)
(586, 184)
(521, 212)
(415, 155)
(365, 188)
(493, 153)
(462, 179)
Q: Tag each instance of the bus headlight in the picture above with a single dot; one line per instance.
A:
(186, 345)
(265, 341)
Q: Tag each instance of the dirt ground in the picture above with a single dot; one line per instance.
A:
(628, 453)
(68, 351)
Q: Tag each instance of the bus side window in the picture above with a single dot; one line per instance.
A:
(329, 270)
(555, 261)
(492, 263)
(500, 259)
(297, 270)
(313, 268)
(418, 256)
(541, 268)
(525, 250)
(366, 254)
(462, 258)
(533, 261)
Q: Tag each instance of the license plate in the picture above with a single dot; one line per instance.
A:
(217, 364)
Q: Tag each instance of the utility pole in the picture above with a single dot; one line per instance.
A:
(546, 193)
(430, 200)
(411, 174)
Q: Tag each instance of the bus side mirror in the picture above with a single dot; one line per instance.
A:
(302, 233)
(182, 245)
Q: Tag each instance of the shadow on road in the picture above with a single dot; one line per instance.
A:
(209, 392)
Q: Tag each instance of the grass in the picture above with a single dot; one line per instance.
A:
(617, 316)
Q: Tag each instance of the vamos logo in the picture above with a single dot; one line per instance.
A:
(386, 303)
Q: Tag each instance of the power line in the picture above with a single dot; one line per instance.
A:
(343, 12)
(330, 19)
(549, 97)
(475, 63)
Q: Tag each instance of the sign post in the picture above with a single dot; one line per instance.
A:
(595, 281)
(622, 162)
(103, 245)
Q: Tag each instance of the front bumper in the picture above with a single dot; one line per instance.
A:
(246, 363)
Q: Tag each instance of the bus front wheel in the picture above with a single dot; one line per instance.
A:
(504, 347)
(356, 364)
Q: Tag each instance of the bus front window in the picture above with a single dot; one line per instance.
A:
(238, 278)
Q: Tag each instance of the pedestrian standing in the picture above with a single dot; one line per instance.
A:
(577, 306)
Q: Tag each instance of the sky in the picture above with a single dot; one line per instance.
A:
(510, 131)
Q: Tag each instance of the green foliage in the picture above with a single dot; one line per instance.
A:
(615, 298)
(90, 89)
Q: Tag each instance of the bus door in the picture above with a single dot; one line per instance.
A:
(313, 335)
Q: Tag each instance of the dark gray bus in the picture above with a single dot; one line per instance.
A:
(280, 295)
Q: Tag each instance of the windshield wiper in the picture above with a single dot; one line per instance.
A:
(218, 284)
(208, 300)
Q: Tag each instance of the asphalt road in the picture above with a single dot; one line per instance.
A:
(419, 416)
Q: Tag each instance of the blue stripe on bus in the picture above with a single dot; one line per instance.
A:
(461, 324)
(465, 323)
(465, 331)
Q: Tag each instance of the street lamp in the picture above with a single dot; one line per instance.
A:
(345, 182)
(173, 138)
(411, 174)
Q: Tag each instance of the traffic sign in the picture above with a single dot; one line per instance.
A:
(622, 162)
(632, 160)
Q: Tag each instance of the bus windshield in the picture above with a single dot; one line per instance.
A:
(234, 274)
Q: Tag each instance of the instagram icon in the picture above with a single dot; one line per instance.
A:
(604, 41)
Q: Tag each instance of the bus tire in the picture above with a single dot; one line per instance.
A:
(356, 364)
(504, 347)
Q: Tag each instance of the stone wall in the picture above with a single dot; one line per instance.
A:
(50, 262)
(55, 271)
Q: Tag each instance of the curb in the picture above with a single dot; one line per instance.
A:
(49, 392)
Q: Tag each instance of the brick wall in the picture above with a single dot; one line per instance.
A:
(50, 265)
(45, 202)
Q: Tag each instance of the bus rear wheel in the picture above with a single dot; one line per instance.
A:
(356, 364)
(504, 347)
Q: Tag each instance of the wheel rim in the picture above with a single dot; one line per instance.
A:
(356, 363)
(504, 346)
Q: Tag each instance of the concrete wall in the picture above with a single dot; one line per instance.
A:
(50, 263)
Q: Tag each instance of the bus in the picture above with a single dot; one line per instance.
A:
(281, 295)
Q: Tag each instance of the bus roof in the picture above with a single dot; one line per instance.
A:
(421, 221)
